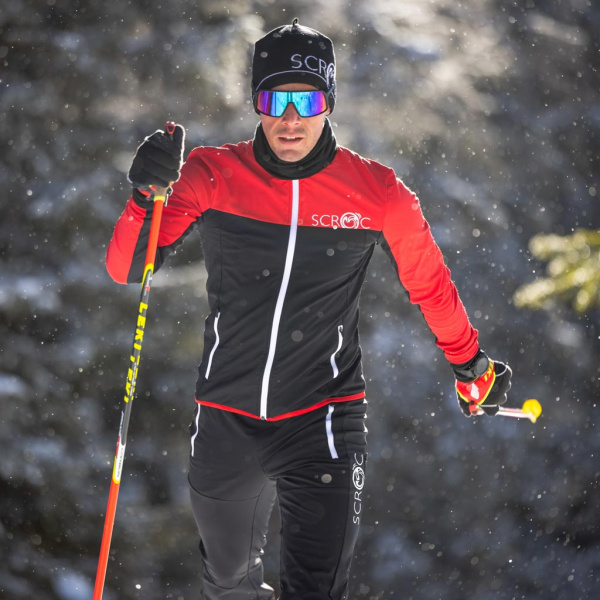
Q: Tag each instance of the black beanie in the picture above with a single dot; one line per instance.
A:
(294, 54)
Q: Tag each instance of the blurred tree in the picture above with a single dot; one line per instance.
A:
(573, 269)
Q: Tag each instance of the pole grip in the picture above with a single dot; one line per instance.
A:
(160, 196)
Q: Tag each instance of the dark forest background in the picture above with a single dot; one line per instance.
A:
(489, 109)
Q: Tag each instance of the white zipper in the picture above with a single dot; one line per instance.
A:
(332, 449)
(196, 432)
(212, 352)
(289, 257)
(334, 366)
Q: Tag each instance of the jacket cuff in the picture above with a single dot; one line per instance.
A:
(141, 199)
(473, 368)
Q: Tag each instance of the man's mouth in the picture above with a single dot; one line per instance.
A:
(290, 138)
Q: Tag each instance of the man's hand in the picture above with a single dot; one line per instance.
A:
(482, 384)
(158, 160)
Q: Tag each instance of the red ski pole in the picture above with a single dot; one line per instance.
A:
(160, 198)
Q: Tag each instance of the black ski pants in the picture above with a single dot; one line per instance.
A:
(314, 464)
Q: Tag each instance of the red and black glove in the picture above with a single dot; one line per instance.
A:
(482, 384)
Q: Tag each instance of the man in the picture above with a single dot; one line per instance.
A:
(289, 222)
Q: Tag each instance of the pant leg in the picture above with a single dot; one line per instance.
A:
(319, 531)
(233, 534)
(232, 500)
(321, 500)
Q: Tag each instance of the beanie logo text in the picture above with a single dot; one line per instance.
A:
(316, 65)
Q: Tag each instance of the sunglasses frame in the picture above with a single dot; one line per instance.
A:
(290, 101)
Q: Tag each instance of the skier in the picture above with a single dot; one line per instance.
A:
(288, 222)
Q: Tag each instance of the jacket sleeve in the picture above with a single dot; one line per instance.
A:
(191, 195)
(424, 275)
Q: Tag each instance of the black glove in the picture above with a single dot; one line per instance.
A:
(158, 160)
(481, 383)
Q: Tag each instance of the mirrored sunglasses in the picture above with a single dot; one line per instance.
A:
(307, 103)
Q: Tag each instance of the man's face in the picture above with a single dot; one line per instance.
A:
(291, 136)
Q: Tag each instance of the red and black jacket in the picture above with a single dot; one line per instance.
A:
(286, 261)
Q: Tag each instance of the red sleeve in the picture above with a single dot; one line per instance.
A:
(191, 196)
(122, 246)
(425, 276)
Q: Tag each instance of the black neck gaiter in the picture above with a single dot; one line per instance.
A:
(316, 160)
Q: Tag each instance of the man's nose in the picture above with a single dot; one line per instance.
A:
(290, 114)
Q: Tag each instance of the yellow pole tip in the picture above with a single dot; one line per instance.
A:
(533, 408)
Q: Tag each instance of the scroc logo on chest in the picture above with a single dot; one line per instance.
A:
(349, 220)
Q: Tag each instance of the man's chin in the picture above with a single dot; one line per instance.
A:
(291, 156)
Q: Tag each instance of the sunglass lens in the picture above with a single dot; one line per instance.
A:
(265, 103)
(308, 104)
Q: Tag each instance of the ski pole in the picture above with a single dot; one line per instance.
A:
(159, 197)
(531, 410)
